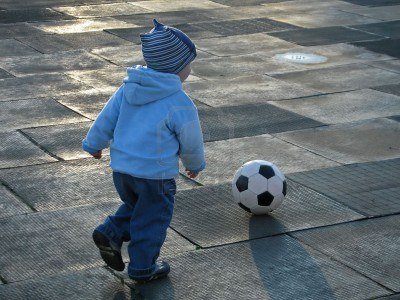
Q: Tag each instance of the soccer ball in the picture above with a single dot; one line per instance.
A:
(259, 187)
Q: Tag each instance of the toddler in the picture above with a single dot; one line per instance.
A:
(148, 123)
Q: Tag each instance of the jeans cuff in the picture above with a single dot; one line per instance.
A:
(137, 273)
(107, 231)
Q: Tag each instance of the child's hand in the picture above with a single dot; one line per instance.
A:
(97, 155)
(191, 174)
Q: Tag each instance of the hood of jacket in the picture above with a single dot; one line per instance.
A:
(144, 85)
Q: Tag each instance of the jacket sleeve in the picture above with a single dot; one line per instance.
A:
(186, 125)
(102, 130)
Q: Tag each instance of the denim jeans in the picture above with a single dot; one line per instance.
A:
(142, 219)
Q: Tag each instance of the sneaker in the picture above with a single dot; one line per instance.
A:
(109, 252)
(162, 269)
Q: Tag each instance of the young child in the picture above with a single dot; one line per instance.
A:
(148, 123)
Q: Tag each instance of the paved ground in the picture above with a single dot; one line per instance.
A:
(332, 127)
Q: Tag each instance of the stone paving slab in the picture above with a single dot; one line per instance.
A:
(386, 13)
(35, 86)
(81, 25)
(386, 46)
(35, 112)
(351, 142)
(321, 18)
(125, 56)
(239, 27)
(209, 216)
(16, 30)
(12, 47)
(92, 284)
(65, 141)
(341, 78)
(386, 29)
(101, 10)
(249, 120)
(42, 244)
(239, 45)
(393, 89)
(245, 90)
(16, 150)
(225, 157)
(370, 188)
(306, 5)
(66, 184)
(367, 246)
(52, 63)
(177, 5)
(271, 268)
(31, 14)
(10, 205)
(48, 3)
(324, 36)
(374, 3)
(390, 65)
(344, 107)
(105, 80)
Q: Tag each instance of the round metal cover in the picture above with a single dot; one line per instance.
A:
(301, 58)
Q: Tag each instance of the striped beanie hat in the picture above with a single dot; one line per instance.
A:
(167, 49)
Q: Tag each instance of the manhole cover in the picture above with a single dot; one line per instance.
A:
(301, 58)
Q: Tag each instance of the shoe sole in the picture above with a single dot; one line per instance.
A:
(154, 277)
(111, 257)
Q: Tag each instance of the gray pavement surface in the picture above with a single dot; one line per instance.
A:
(332, 127)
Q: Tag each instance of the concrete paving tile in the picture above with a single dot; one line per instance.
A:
(35, 86)
(67, 184)
(177, 5)
(87, 103)
(390, 65)
(244, 3)
(52, 63)
(249, 120)
(393, 89)
(261, 269)
(9, 31)
(248, 26)
(124, 56)
(10, 205)
(104, 80)
(344, 107)
(321, 18)
(31, 14)
(81, 25)
(366, 246)
(239, 45)
(46, 43)
(324, 36)
(101, 10)
(11, 47)
(374, 3)
(209, 216)
(42, 244)
(386, 13)
(64, 140)
(245, 90)
(225, 157)
(306, 5)
(386, 46)
(357, 186)
(360, 141)
(341, 78)
(93, 39)
(16, 150)
(389, 29)
(35, 112)
(92, 284)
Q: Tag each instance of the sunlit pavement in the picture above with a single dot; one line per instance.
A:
(313, 86)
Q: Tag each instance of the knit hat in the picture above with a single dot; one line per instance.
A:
(167, 49)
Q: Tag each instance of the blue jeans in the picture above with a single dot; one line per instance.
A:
(142, 219)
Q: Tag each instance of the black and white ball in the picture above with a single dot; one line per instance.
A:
(259, 187)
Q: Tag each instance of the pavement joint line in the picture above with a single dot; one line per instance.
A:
(105, 59)
(12, 191)
(382, 68)
(358, 14)
(186, 238)
(52, 125)
(344, 264)
(37, 50)
(12, 75)
(110, 32)
(69, 108)
(383, 37)
(384, 296)
(33, 141)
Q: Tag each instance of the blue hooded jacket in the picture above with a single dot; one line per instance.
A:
(148, 123)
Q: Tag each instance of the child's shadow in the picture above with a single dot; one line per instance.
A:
(285, 267)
